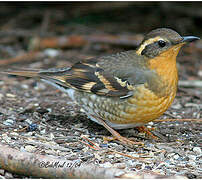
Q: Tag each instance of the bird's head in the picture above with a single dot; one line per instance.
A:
(162, 40)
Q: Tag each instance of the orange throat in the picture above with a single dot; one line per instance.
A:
(165, 66)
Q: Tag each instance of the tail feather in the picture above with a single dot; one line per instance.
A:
(22, 72)
(54, 76)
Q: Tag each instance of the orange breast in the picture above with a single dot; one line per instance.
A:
(145, 106)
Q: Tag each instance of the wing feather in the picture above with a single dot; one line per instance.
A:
(84, 76)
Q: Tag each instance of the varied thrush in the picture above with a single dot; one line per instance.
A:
(126, 89)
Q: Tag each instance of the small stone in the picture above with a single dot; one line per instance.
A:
(191, 176)
(2, 83)
(30, 148)
(151, 123)
(28, 121)
(176, 106)
(197, 150)
(2, 171)
(43, 131)
(200, 73)
(32, 127)
(106, 165)
(176, 156)
(104, 145)
(14, 134)
(52, 136)
(24, 86)
(22, 149)
(78, 125)
(192, 157)
(6, 137)
(10, 95)
(8, 175)
(8, 122)
(50, 151)
(51, 52)
(118, 155)
(1, 96)
(49, 109)
(36, 104)
(191, 163)
(110, 156)
(29, 134)
(120, 165)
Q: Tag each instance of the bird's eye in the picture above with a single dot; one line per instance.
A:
(161, 43)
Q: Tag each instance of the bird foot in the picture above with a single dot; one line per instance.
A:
(147, 131)
(123, 140)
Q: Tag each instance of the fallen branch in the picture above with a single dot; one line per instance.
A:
(29, 56)
(40, 166)
(75, 41)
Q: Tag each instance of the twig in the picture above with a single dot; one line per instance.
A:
(29, 56)
(162, 120)
(90, 143)
(190, 83)
(129, 156)
(75, 41)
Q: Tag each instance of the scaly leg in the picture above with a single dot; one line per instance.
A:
(117, 136)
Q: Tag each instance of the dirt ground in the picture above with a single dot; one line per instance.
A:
(37, 118)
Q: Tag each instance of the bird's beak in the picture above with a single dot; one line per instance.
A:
(189, 39)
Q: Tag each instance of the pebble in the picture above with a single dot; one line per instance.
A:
(130, 163)
(8, 122)
(191, 163)
(2, 171)
(43, 131)
(30, 148)
(120, 165)
(52, 136)
(106, 165)
(29, 134)
(200, 73)
(197, 150)
(50, 151)
(51, 52)
(1, 96)
(110, 156)
(2, 83)
(118, 155)
(8, 175)
(151, 123)
(176, 156)
(176, 106)
(24, 86)
(192, 157)
(14, 134)
(6, 138)
(10, 95)
(28, 121)
(40, 86)
(32, 127)
(22, 149)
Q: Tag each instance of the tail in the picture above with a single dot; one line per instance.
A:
(22, 72)
(53, 76)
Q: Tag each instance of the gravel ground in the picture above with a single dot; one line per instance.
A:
(37, 118)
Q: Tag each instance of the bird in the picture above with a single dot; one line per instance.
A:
(123, 90)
